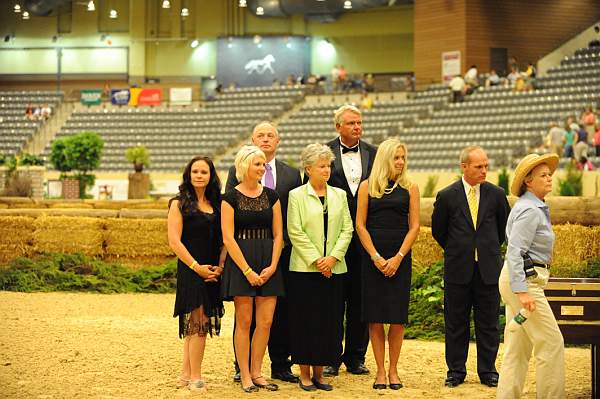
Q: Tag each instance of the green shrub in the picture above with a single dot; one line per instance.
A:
(426, 309)
(138, 155)
(30, 160)
(571, 185)
(504, 180)
(429, 190)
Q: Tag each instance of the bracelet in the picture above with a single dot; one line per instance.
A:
(194, 263)
(401, 254)
(376, 257)
(248, 271)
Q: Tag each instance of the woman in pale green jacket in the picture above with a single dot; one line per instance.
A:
(320, 230)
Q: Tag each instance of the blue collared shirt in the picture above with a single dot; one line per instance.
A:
(528, 230)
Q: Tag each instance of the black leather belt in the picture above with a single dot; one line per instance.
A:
(544, 265)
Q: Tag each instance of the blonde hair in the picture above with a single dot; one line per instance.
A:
(383, 167)
(313, 153)
(337, 115)
(244, 158)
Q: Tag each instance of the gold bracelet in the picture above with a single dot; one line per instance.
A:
(401, 254)
(194, 263)
(248, 271)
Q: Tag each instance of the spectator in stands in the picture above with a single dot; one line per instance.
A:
(46, 111)
(457, 85)
(276, 83)
(232, 86)
(311, 83)
(343, 78)
(596, 41)
(556, 138)
(291, 81)
(252, 228)
(512, 77)
(493, 79)
(335, 78)
(282, 178)
(369, 83)
(513, 63)
(472, 77)
(366, 102)
(597, 139)
(29, 112)
(584, 164)
(37, 112)
(194, 232)
(531, 71)
(588, 121)
(570, 133)
(581, 144)
(106, 91)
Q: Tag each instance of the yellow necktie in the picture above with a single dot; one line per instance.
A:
(473, 207)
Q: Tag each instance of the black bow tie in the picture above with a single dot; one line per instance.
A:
(349, 149)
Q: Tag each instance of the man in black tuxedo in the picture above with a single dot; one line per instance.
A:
(282, 178)
(469, 221)
(352, 164)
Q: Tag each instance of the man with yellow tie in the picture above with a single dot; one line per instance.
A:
(469, 221)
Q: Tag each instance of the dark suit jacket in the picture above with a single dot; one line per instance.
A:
(338, 178)
(452, 227)
(288, 178)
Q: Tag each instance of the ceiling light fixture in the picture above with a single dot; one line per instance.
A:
(25, 15)
(260, 10)
(185, 12)
(243, 3)
(166, 4)
(17, 8)
(113, 14)
(91, 6)
(348, 5)
(194, 43)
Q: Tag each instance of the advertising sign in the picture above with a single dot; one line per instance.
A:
(450, 65)
(180, 95)
(120, 96)
(91, 96)
(149, 97)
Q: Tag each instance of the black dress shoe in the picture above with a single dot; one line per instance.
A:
(321, 386)
(396, 386)
(358, 369)
(491, 382)
(237, 377)
(308, 388)
(286, 376)
(452, 382)
(331, 371)
(379, 386)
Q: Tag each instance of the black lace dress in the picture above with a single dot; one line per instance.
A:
(201, 235)
(253, 220)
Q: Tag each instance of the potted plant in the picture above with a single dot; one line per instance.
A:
(139, 156)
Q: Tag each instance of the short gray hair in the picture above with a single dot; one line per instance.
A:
(466, 152)
(268, 123)
(244, 158)
(337, 115)
(313, 153)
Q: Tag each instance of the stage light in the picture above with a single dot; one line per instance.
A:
(260, 10)
(166, 4)
(17, 8)
(91, 6)
(185, 12)
(194, 43)
(25, 15)
(243, 3)
(347, 4)
(113, 14)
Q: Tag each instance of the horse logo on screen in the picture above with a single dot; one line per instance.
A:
(260, 66)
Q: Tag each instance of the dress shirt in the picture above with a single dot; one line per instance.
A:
(477, 188)
(352, 167)
(273, 171)
(528, 230)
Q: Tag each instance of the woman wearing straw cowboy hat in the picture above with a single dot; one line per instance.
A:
(522, 280)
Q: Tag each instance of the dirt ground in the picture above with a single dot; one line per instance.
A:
(77, 345)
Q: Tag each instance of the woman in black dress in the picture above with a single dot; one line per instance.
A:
(253, 234)
(387, 223)
(194, 233)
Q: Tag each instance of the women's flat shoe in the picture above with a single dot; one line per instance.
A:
(321, 386)
(379, 386)
(396, 386)
(250, 389)
(267, 386)
(197, 385)
(308, 388)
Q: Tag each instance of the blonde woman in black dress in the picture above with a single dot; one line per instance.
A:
(253, 235)
(387, 223)
(194, 232)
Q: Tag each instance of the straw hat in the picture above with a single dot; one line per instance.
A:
(527, 164)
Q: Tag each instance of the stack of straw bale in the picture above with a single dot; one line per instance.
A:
(425, 250)
(66, 234)
(143, 240)
(17, 237)
(574, 246)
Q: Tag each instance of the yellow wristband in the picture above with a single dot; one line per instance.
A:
(247, 272)
(401, 254)
(194, 263)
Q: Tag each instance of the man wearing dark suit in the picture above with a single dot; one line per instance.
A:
(469, 221)
(352, 164)
(282, 178)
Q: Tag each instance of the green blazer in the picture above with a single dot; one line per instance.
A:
(306, 230)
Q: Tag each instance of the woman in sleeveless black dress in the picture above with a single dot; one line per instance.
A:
(253, 234)
(387, 223)
(194, 232)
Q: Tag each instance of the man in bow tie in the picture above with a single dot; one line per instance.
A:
(352, 164)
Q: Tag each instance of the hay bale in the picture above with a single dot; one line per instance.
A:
(17, 237)
(137, 238)
(15, 200)
(143, 213)
(69, 205)
(425, 250)
(3, 206)
(574, 246)
(575, 210)
(426, 211)
(65, 234)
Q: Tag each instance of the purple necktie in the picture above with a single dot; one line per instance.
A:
(269, 182)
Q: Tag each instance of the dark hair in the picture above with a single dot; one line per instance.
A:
(188, 201)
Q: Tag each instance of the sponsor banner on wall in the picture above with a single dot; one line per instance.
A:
(180, 95)
(149, 97)
(134, 93)
(247, 61)
(120, 96)
(91, 96)
(450, 65)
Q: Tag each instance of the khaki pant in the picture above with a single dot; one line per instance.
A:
(541, 333)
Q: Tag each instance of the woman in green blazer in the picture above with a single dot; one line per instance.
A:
(320, 230)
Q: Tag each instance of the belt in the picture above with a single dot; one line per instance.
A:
(544, 265)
